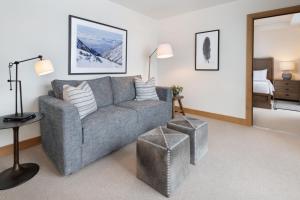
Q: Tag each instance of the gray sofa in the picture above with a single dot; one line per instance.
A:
(72, 143)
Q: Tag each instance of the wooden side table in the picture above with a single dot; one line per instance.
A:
(19, 173)
(287, 90)
(178, 99)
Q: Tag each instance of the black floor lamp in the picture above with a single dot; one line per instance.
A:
(162, 51)
(42, 67)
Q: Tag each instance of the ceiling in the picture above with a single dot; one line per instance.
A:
(278, 22)
(160, 9)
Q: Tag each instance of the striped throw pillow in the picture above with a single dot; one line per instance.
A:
(145, 90)
(81, 97)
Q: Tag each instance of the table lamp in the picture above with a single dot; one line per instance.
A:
(162, 51)
(286, 67)
(42, 67)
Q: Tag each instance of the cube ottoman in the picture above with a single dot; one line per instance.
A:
(198, 132)
(163, 157)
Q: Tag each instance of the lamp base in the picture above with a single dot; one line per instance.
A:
(19, 117)
(287, 76)
(13, 177)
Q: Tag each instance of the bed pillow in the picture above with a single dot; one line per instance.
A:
(145, 90)
(260, 75)
(81, 97)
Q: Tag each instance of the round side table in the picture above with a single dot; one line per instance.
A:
(19, 173)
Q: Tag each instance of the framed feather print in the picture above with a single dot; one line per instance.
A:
(207, 50)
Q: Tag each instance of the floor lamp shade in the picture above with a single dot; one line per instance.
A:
(43, 67)
(164, 51)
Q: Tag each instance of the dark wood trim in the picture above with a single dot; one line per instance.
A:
(218, 51)
(258, 99)
(264, 63)
(8, 149)
(70, 43)
(226, 118)
(177, 108)
(249, 52)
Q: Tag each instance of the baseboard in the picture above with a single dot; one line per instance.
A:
(226, 118)
(8, 149)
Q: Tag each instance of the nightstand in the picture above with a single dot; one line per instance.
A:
(287, 90)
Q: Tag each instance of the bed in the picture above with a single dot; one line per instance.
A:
(263, 90)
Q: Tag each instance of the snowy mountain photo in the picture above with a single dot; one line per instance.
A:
(97, 48)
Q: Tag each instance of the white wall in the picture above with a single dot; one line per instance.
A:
(33, 27)
(281, 44)
(221, 92)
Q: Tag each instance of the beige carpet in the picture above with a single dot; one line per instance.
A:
(242, 163)
(279, 120)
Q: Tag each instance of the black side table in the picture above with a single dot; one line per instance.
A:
(19, 173)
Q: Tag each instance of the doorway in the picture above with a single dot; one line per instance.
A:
(267, 61)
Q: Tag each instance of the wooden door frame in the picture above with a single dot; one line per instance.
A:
(250, 49)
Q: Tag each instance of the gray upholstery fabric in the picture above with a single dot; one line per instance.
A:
(51, 93)
(123, 88)
(106, 130)
(198, 132)
(164, 94)
(72, 143)
(57, 86)
(61, 133)
(163, 163)
(146, 111)
(101, 88)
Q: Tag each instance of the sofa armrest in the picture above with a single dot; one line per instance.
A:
(61, 133)
(164, 93)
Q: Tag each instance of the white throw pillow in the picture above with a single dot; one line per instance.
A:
(145, 90)
(260, 75)
(81, 97)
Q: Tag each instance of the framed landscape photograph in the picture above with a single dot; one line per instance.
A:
(207, 50)
(96, 48)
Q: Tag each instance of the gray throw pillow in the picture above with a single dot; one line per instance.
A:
(81, 97)
(145, 90)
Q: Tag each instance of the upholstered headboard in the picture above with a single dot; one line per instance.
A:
(265, 63)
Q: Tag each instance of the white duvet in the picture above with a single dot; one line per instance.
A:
(265, 87)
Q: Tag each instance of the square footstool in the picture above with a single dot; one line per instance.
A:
(198, 132)
(163, 157)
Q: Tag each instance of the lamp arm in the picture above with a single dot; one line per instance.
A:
(150, 62)
(153, 53)
(37, 57)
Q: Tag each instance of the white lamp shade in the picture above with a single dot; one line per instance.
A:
(164, 51)
(43, 67)
(287, 65)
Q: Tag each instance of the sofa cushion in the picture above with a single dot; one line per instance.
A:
(110, 126)
(123, 88)
(58, 86)
(151, 113)
(145, 90)
(81, 97)
(101, 88)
